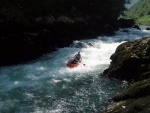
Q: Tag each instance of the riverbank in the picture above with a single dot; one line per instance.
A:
(131, 62)
(22, 47)
(21, 44)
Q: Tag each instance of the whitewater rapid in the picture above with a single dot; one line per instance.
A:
(47, 85)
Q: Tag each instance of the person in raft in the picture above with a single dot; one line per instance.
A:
(77, 58)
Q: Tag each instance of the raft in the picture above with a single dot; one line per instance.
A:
(70, 64)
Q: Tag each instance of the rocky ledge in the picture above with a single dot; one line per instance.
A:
(131, 62)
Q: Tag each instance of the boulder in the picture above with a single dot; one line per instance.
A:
(125, 23)
(148, 28)
(79, 44)
(140, 105)
(130, 60)
(135, 91)
(134, 100)
(136, 27)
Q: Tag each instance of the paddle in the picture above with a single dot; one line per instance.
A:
(82, 63)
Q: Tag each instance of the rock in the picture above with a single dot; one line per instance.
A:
(130, 60)
(136, 90)
(90, 44)
(148, 28)
(136, 27)
(125, 23)
(140, 105)
(78, 44)
(124, 30)
(134, 100)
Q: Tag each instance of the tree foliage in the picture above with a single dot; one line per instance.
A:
(26, 11)
(141, 10)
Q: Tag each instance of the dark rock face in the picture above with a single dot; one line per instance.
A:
(137, 90)
(135, 100)
(140, 105)
(136, 27)
(126, 23)
(130, 60)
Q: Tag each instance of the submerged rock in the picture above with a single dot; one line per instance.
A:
(136, 27)
(78, 44)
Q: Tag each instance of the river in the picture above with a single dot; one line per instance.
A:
(47, 85)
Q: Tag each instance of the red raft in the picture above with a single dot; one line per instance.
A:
(72, 64)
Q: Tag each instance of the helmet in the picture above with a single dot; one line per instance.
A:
(79, 52)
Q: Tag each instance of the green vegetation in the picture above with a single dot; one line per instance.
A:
(140, 12)
(145, 20)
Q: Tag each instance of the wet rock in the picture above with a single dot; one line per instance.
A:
(135, 91)
(136, 27)
(124, 30)
(148, 28)
(125, 23)
(130, 60)
(140, 105)
(79, 44)
(134, 100)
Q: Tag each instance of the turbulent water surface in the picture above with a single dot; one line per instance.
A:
(47, 85)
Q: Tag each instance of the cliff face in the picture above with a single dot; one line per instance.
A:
(131, 62)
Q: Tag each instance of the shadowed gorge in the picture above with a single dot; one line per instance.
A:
(31, 28)
(39, 37)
